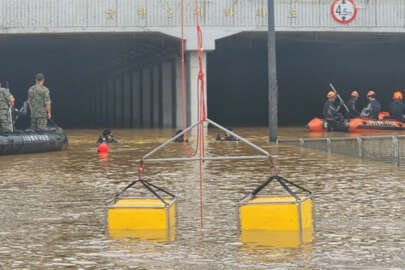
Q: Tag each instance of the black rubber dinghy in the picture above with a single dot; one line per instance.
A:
(21, 142)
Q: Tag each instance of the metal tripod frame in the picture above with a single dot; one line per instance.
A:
(146, 158)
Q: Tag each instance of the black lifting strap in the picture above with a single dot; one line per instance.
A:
(257, 190)
(161, 189)
(122, 191)
(282, 181)
(292, 193)
(295, 185)
(147, 186)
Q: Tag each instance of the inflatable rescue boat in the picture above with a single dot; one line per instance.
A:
(357, 124)
(51, 139)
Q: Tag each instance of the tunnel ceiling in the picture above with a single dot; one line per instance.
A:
(353, 39)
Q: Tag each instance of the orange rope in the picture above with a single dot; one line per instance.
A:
(202, 111)
(141, 170)
(200, 95)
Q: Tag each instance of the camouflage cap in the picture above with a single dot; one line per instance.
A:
(39, 76)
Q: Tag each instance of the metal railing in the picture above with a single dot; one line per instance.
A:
(390, 149)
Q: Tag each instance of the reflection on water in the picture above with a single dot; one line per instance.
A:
(164, 236)
(53, 215)
(264, 240)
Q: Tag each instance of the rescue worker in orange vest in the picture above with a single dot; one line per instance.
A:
(397, 107)
(351, 105)
(331, 111)
(373, 108)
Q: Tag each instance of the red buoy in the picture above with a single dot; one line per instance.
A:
(102, 148)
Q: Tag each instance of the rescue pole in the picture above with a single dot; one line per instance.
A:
(10, 113)
(272, 74)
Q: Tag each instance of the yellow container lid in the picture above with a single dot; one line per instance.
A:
(140, 202)
(275, 199)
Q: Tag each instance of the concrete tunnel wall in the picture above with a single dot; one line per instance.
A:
(147, 93)
(140, 97)
(141, 94)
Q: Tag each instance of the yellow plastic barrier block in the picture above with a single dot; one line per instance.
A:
(141, 214)
(281, 213)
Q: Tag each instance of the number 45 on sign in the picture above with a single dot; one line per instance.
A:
(343, 11)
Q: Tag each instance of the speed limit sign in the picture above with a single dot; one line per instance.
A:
(344, 11)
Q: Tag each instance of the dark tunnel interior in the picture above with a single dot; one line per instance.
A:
(306, 64)
(73, 64)
(236, 72)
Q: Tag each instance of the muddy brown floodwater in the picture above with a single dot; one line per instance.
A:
(53, 212)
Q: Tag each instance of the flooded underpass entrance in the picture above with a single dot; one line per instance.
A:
(133, 80)
(306, 63)
(77, 66)
(80, 68)
(54, 216)
(118, 64)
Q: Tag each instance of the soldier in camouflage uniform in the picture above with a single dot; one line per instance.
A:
(6, 101)
(39, 102)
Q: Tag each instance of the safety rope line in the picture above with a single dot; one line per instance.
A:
(200, 96)
(201, 112)
(272, 167)
(141, 170)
